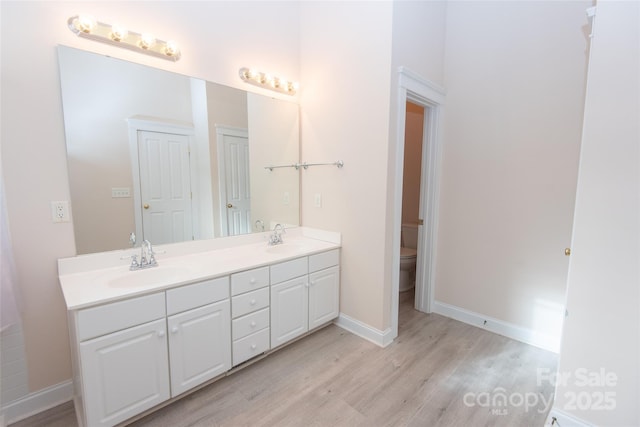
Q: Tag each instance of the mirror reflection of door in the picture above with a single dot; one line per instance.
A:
(234, 180)
(236, 158)
(165, 187)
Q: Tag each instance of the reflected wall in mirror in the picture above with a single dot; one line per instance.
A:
(172, 157)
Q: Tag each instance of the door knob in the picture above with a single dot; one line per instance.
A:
(229, 205)
(567, 251)
(146, 206)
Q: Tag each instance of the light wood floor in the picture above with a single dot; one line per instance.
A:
(333, 378)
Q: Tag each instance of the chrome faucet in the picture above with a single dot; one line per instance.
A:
(260, 223)
(148, 259)
(147, 255)
(276, 237)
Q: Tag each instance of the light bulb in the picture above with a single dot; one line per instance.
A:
(86, 23)
(118, 32)
(147, 41)
(171, 48)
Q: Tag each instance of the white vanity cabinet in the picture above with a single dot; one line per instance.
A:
(250, 312)
(304, 295)
(137, 353)
(124, 366)
(133, 353)
(199, 333)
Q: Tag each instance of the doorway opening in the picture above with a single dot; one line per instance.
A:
(425, 100)
(414, 130)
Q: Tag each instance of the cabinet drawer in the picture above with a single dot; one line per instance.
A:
(324, 260)
(250, 346)
(96, 321)
(249, 302)
(250, 323)
(288, 270)
(191, 296)
(249, 280)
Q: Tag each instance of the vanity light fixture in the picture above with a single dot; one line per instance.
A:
(117, 35)
(278, 84)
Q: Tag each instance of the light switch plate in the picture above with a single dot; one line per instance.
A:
(120, 192)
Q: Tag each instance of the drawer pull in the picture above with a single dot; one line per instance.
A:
(252, 302)
(252, 281)
(253, 324)
(160, 334)
(174, 329)
(253, 346)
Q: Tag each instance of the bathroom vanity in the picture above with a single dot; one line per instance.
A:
(143, 338)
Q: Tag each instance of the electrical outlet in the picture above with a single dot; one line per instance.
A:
(60, 211)
(317, 200)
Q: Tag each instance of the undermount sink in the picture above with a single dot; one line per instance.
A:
(286, 248)
(149, 276)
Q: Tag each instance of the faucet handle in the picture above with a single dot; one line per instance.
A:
(134, 261)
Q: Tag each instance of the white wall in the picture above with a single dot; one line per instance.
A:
(217, 38)
(515, 76)
(603, 327)
(345, 67)
(413, 133)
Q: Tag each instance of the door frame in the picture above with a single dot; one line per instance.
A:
(149, 124)
(221, 131)
(412, 87)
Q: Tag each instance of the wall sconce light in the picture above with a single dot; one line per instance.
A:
(117, 35)
(267, 81)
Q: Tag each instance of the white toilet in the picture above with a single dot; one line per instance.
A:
(408, 254)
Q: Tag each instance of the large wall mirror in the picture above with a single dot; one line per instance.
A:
(172, 157)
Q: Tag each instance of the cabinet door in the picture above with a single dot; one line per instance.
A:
(289, 310)
(199, 345)
(323, 296)
(125, 373)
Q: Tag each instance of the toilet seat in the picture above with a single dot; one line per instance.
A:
(406, 253)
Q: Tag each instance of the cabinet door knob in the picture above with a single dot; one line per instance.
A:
(252, 302)
(253, 346)
(160, 333)
(174, 329)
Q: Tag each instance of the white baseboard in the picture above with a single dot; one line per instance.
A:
(376, 336)
(38, 401)
(497, 326)
(564, 419)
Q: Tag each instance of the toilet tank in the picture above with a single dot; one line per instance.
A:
(410, 236)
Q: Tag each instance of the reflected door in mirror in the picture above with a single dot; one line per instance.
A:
(235, 143)
(165, 187)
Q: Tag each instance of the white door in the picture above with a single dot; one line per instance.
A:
(238, 201)
(323, 296)
(199, 345)
(125, 373)
(289, 310)
(165, 187)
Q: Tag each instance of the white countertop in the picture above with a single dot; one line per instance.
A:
(94, 279)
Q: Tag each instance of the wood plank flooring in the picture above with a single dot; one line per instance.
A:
(334, 378)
